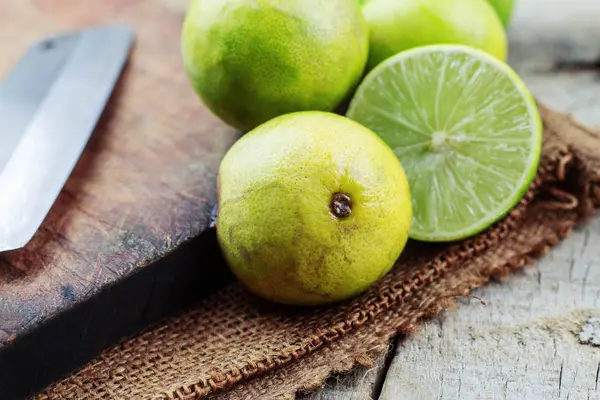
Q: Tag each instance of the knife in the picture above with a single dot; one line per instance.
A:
(50, 103)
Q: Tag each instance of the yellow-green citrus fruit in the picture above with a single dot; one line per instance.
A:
(504, 8)
(313, 208)
(396, 26)
(252, 60)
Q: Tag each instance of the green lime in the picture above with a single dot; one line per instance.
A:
(504, 8)
(465, 128)
(252, 60)
(398, 25)
(313, 208)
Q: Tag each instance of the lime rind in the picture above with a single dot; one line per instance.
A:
(478, 180)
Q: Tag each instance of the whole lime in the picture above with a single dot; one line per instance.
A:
(504, 8)
(313, 208)
(252, 60)
(396, 26)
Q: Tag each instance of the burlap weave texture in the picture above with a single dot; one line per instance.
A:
(235, 346)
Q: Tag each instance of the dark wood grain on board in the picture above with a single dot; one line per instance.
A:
(122, 245)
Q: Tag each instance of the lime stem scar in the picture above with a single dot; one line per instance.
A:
(341, 205)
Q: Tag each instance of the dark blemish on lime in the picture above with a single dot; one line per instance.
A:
(68, 292)
(341, 205)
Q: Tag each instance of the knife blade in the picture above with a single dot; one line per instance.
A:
(47, 115)
(25, 86)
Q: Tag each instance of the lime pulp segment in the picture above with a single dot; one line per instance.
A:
(465, 129)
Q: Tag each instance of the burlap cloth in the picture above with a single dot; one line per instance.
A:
(234, 346)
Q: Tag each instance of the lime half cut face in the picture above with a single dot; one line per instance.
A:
(465, 129)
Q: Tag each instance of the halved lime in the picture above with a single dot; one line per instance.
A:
(464, 127)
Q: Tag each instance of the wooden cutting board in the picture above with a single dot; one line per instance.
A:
(123, 245)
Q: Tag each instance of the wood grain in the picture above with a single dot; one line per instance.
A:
(143, 188)
(146, 181)
(524, 343)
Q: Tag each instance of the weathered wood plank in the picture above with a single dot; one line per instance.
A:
(545, 37)
(525, 343)
(544, 32)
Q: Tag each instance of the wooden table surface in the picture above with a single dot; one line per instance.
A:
(527, 341)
